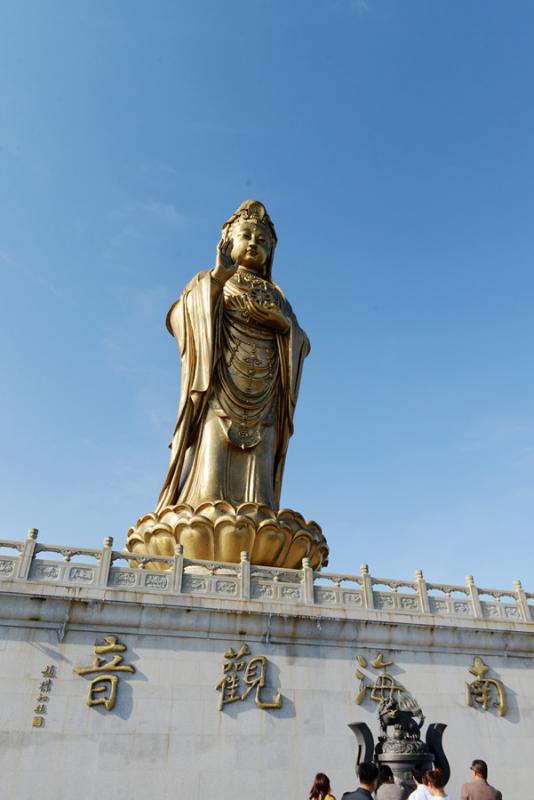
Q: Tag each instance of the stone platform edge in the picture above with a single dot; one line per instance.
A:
(268, 601)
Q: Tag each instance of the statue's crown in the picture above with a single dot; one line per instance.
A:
(253, 211)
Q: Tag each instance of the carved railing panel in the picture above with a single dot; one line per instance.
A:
(8, 566)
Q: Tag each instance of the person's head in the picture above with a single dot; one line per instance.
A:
(434, 779)
(253, 237)
(479, 769)
(419, 777)
(368, 775)
(385, 775)
(321, 787)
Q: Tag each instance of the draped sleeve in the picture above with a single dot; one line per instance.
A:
(194, 322)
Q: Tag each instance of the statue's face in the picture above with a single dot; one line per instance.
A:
(251, 245)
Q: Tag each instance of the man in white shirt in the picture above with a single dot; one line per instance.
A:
(420, 792)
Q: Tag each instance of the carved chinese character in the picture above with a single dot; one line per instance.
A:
(111, 646)
(103, 691)
(99, 665)
(254, 675)
(49, 672)
(230, 689)
(383, 687)
(483, 691)
(103, 688)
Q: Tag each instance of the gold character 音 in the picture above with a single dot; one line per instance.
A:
(103, 688)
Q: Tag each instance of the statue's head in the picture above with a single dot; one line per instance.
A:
(388, 705)
(253, 236)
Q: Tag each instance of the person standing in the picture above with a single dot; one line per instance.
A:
(321, 788)
(435, 784)
(479, 788)
(421, 791)
(387, 788)
(368, 778)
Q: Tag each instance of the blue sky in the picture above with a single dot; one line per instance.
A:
(392, 145)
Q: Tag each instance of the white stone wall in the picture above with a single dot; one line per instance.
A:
(166, 737)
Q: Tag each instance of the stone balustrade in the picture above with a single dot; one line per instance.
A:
(110, 569)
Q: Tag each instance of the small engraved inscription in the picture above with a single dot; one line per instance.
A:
(48, 672)
(123, 579)
(45, 571)
(6, 567)
(409, 603)
(289, 593)
(383, 601)
(81, 574)
(262, 590)
(325, 596)
(158, 581)
(226, 587)
(352, 598)
(195, 584)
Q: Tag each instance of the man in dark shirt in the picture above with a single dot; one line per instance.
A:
(479, 788)
(368, 778)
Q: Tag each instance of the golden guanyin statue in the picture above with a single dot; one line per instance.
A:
(242, 352)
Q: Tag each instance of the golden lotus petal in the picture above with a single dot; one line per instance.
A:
(215, 510)
(300, 548)
(161, 542)
(144, 524)
(172, 515)
(270, 541)
(196, 536)
(232, 536)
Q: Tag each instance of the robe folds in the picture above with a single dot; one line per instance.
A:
(241, 372)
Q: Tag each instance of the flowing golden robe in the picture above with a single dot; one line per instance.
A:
(240, 381)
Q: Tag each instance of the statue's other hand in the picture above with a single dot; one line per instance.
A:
(224, 266)
(272, 316)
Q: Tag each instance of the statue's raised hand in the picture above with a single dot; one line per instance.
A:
(224, 266)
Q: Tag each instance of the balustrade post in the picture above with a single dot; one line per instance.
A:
(244, 576)
(522, 602)
(28, 552)
(307, 582)
(178, 568)
(422, 592)
(367, 586)
(473, 593)
(105, 561)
